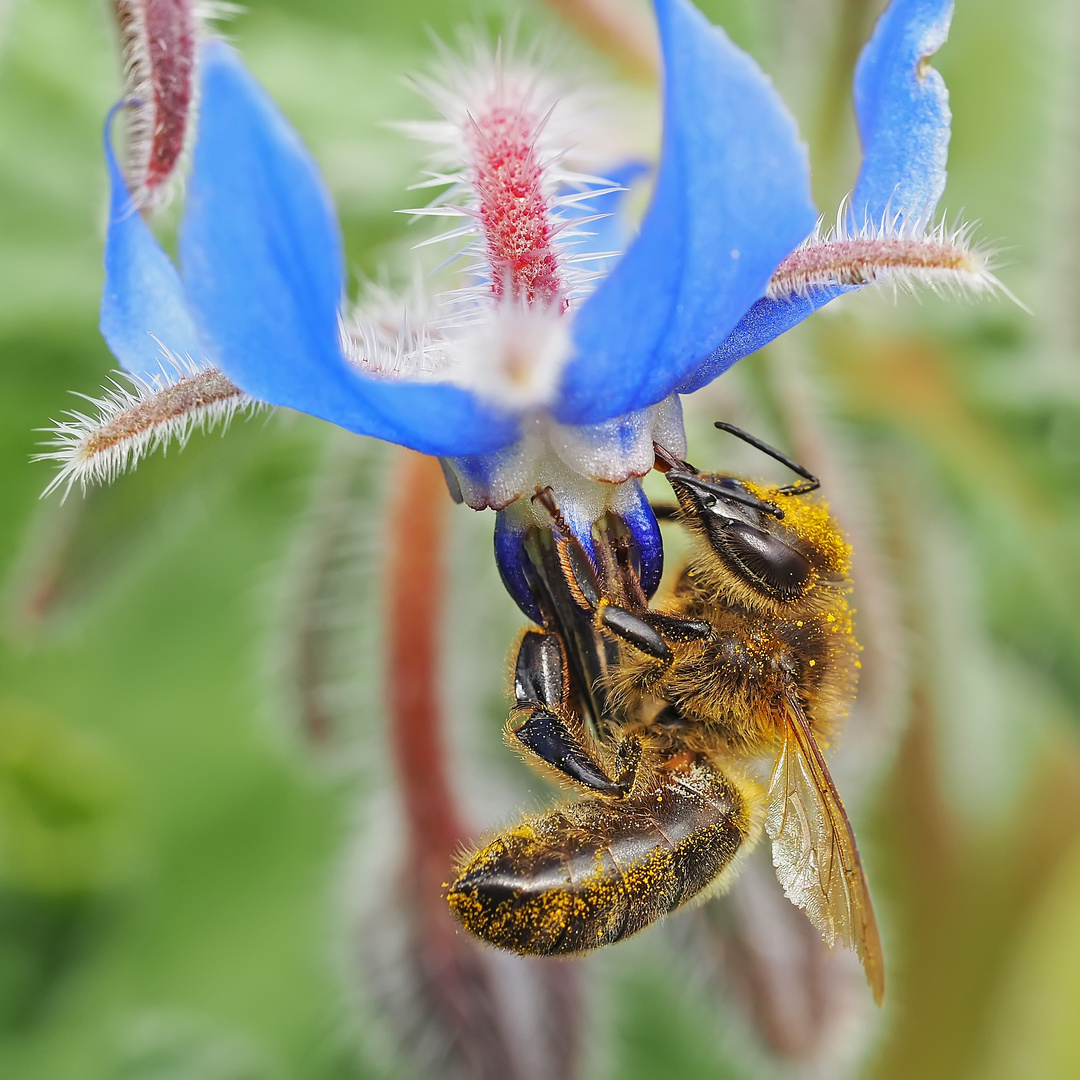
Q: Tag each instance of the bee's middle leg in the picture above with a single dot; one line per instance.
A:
(545, 729)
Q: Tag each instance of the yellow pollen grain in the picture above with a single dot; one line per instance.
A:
(810, 521)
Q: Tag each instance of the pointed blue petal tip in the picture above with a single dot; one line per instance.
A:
(902, 108)
(634, 509)
(640, 519)
(732, 199)
(511, 559)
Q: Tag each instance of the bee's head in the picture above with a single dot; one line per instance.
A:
(778, 546)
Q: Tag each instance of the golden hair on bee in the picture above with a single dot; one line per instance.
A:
(775, 563)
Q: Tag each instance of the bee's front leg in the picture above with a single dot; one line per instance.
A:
(647, 631)
(546, 730)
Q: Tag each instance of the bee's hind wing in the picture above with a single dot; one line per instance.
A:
(814, 849)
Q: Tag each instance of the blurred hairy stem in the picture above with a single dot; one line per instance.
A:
(1061, 202)
(802, 395)
(450, 966)
(38, 581)
(961, 896)
(159, 40)
(618, 29)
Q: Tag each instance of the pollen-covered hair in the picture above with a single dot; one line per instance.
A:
(782, 566)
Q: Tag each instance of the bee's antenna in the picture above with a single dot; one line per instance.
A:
(812, 484)
(713, 491)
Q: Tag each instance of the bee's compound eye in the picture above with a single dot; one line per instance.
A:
(783, 571)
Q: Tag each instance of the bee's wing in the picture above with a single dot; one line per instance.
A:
(814, 849)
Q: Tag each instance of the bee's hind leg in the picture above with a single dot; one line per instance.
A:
(545, 729)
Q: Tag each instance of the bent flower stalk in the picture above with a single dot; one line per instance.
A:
(560, 358)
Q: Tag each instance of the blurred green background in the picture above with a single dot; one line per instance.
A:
(178, 867)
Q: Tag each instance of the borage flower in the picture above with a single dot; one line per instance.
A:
(545, 370)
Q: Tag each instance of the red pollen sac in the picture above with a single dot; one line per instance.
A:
(514, 212)
(159, 50)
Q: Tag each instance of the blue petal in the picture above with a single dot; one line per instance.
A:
(264, 272)
(510, 557)
(632, 506)
(732, 199)
(766, 320)
(902, 107)
(640, 518)
(143, 308)
(903, 120)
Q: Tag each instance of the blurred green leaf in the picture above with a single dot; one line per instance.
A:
(63, 817)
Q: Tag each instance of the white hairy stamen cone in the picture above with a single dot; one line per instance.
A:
(501, 154)
(137, 415)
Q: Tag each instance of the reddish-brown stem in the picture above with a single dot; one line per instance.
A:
(415, 598)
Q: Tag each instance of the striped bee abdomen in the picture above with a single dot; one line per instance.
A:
(593, 872)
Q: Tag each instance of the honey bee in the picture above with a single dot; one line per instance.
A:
(686, 729)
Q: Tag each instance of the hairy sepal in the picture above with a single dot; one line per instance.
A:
(137, 414)
(893, 253)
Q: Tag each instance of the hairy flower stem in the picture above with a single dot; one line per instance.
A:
(416, 601)
(174, 404)
(137, 414)
(159, 39)
(451, 967)
(937, 257)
